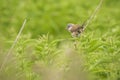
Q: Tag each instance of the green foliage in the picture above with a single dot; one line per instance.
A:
(42, 56)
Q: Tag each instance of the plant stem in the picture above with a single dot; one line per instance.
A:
(13, 45)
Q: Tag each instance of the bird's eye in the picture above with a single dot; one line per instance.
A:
(68, 26)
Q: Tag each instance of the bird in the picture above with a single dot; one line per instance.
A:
(75, 29)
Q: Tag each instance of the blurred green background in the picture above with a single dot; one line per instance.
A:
(51, 17)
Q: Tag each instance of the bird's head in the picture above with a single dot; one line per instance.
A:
(70, 26)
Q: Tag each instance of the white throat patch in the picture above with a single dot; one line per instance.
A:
(69, 28)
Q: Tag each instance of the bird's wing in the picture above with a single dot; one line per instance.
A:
(75, 28)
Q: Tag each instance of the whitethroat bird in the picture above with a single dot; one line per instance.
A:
(76, 29)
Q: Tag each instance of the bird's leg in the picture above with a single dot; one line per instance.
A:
(75, 44)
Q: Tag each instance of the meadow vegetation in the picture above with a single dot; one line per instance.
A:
(45, 49)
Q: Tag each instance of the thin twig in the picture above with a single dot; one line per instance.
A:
(85, 24)
(75, 44)
(13, 45)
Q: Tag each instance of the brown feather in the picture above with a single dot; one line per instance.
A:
(75, 28)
